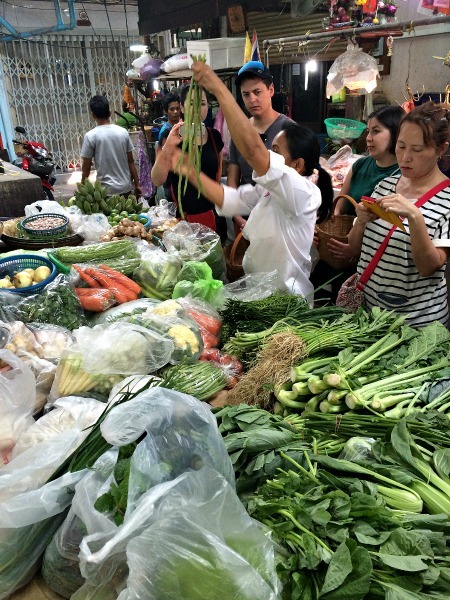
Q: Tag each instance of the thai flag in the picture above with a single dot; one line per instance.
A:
(255, 47)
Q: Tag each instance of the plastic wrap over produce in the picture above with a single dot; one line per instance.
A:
(17, 398)
(353, 69)
(193, 241)
(182, 436)
(208, 546)
(123, 348)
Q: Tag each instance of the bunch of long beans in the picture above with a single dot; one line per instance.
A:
(192, 133)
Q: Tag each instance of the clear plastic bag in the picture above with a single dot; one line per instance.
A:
(60, 566)
(193, 241)
(208, 546)
(255, 286)
(123, 348)
(17, 398)
(157, 273)
(162, 213)
(182, 435)
(91, 227)
(53, 340)
(27, 521)
(353, 69)
(207, 318)
(356, 449)
(230, 365)
(209, 290)
(128, 309)
(170, 319)
(69, 413)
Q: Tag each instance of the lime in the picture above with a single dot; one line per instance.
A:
(117, 219)
(114, 213)
(134, 217)
(143, 221)
(124, 214)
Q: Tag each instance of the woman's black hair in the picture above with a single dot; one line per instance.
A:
(303, 143)
(389, 117)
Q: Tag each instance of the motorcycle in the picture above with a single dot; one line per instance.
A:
(36, 159)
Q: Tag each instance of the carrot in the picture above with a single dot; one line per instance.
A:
(121, 293)
(122, 279)
(85, 277)
(100, 292)
(206, 321)
(95, 303)
(209, 340)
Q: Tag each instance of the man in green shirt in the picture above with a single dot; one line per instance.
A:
(127, 120)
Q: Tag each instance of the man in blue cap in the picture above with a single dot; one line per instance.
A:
(256, 85)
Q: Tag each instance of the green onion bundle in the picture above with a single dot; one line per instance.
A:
(193, 130)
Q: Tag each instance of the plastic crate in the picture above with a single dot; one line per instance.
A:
(344, 129)
(14, 264)
(44, 234)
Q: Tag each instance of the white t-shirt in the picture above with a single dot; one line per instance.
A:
(396, 283)
(280, 229)
(108, 145)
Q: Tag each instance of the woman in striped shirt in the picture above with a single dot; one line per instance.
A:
(409, 278)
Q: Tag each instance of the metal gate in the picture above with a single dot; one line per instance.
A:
(50, 80)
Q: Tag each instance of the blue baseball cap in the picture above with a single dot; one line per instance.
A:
(253, 68)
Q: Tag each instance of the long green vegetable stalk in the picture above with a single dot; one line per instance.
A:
(201, 379)
(193, 132)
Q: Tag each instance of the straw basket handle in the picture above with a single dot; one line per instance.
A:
(333, 208)
(234, 248)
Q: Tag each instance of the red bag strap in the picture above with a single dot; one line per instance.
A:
(366, 275)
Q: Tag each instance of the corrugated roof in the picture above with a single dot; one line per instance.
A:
(277, 25)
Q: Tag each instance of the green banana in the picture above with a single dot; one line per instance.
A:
(95, 207)
(90, 198)
(89, 187)
(97, 196)
(87, 207)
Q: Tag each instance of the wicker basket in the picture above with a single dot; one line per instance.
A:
(234, 253)
(337, 227)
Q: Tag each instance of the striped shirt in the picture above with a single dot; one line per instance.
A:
(396, 283)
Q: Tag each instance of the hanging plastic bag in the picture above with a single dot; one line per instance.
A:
(176, 63)
(208, 546)
(123, 348)
(18, 398)
(193, 241)
(353, 69)
(140, 61)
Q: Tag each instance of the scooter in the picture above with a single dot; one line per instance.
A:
(36, 159)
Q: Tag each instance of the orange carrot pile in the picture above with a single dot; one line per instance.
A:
(106, 288)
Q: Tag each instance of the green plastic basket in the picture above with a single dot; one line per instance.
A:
(344, 129)
(62, 268)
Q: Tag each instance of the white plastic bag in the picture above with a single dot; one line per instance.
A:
(142, 60)
(43, 207)
(175, 63)
(17, 401)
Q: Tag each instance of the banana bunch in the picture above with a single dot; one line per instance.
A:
(90, 198)
(120, 204)
(93, 198)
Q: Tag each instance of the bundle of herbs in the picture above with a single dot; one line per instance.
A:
(395, 375)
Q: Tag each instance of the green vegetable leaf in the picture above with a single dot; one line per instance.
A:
(340, 566)
(441, 462)
(403, 563)
(357, 583)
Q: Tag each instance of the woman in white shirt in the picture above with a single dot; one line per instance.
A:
(284, 204)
